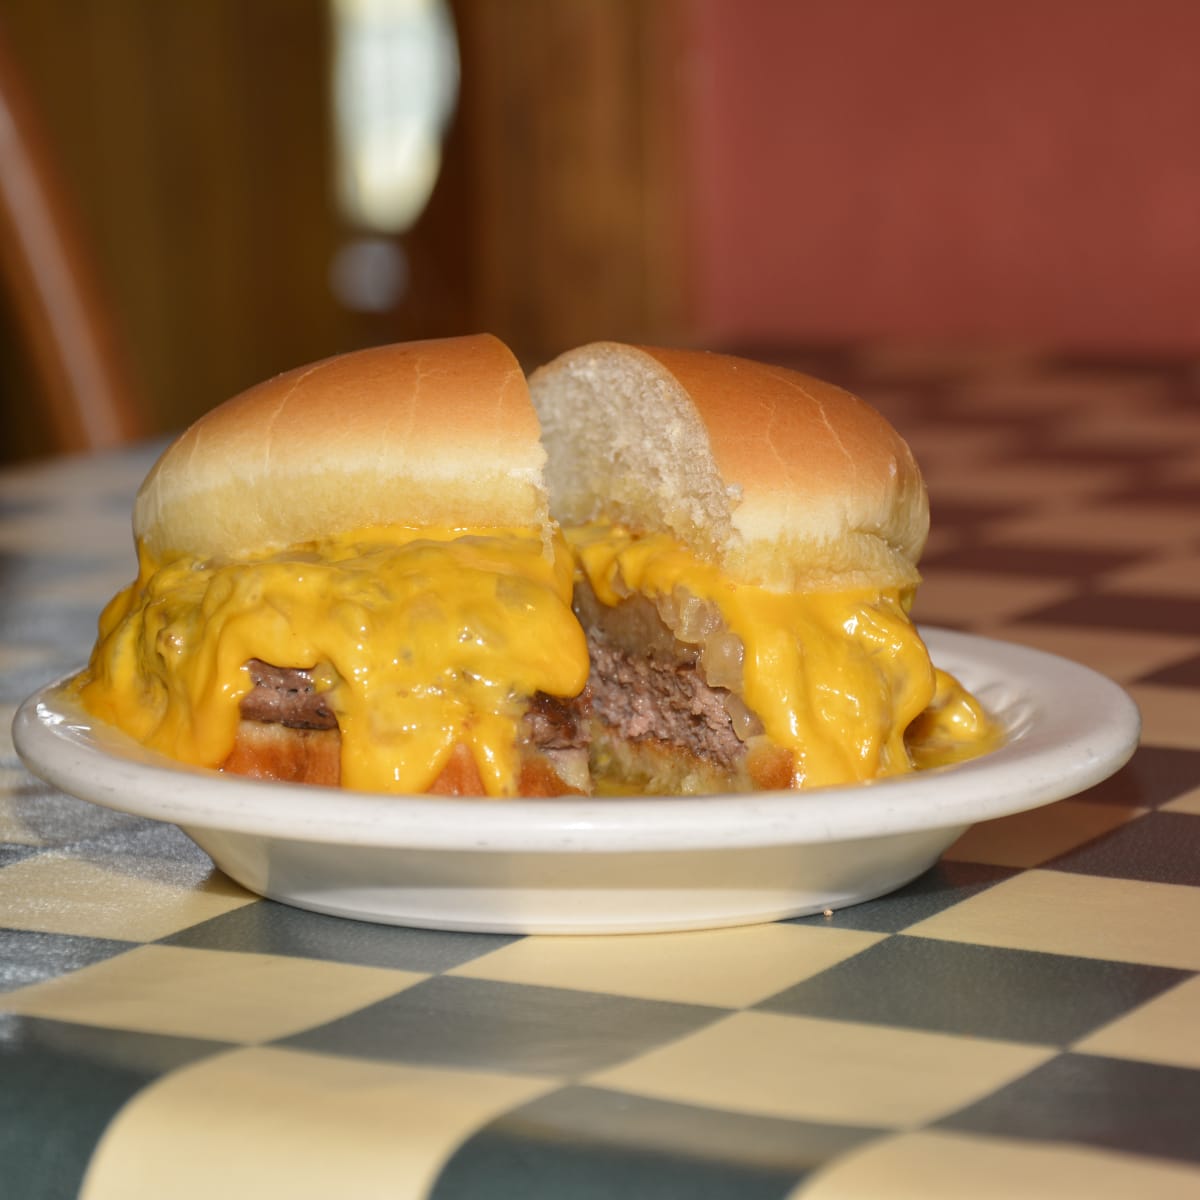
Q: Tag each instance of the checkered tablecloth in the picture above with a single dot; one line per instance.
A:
(1022, 1021)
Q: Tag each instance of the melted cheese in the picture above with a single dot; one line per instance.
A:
(422, 639)
(842, 680)
(474, 623)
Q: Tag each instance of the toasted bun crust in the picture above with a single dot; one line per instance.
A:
(434, 433)
(778, 478)
(270, 751)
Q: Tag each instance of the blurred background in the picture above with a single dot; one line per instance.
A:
(261, 183)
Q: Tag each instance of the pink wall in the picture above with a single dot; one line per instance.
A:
(1012, 169)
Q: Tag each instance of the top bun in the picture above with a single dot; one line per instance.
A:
(434, 433)
(777, 478)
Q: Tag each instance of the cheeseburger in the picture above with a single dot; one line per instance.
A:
(349, 575)
(746, 541)
(407, 570)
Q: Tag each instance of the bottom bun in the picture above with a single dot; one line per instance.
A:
(265, 750)
(269, 750)
(652, 767)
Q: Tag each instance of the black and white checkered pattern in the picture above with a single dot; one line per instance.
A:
(1020, 1021)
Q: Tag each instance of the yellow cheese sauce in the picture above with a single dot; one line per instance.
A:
(842, 680)
(422, 639)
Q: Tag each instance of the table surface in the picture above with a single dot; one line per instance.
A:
(1023, 1020)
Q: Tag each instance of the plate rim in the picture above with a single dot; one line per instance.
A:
(1072, 746)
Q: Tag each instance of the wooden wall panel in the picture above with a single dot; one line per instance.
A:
(196, 137)
(571, 128)
(198, 140)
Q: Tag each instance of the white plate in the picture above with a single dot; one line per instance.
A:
(607, 866)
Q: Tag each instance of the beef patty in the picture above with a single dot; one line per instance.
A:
(288, 696)
(285, 696)
(643, 698)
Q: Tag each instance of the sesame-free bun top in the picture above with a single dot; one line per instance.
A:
(434, 433)
(781, 480)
